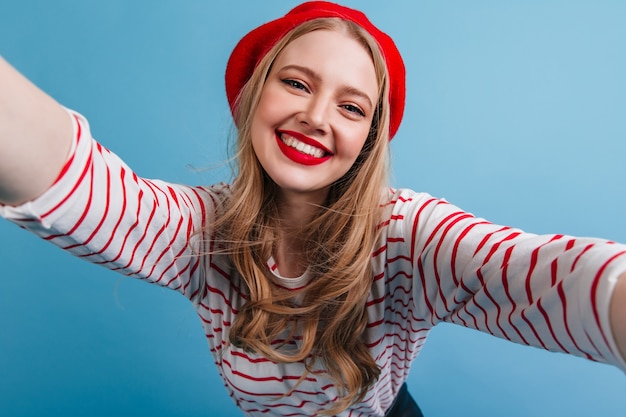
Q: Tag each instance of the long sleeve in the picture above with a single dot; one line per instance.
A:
(101, 211)
(548, 291)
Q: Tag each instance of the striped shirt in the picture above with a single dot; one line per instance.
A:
(433, 263)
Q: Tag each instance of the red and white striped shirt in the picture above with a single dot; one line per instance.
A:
(433, 263)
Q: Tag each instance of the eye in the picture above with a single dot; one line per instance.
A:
(294, 84)
(354, 109)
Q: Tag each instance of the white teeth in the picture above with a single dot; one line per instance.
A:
(301, 146)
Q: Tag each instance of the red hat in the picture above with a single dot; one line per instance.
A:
(252, 47)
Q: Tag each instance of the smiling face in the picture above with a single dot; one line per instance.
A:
(314, 113)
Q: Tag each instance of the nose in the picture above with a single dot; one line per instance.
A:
(315, 115)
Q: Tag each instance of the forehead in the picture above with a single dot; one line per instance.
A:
(334, 54)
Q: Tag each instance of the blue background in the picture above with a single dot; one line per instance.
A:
(516, 111)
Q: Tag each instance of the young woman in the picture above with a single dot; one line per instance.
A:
(316, 283)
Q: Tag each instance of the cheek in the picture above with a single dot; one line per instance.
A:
(268, 109)
(263, 121)
(356, 145)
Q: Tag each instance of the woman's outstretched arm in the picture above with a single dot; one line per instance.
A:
(618, 314)
(35, 138)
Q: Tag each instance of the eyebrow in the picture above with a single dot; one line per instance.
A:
(316, 77)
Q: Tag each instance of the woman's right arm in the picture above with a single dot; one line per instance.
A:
(84, 199)
(35, 138)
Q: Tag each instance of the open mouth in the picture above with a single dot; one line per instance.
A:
(302, 149)
(300, 146)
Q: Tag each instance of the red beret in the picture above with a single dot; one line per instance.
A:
(253, 46)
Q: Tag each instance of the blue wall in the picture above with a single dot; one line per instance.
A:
(516, 111)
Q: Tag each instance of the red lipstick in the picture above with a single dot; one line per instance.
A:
(300, 157)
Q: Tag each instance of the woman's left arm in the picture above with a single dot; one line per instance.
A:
(617, 314)
(555, 292)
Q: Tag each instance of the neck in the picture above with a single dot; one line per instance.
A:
(296, 211)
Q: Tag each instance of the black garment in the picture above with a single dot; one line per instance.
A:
(404, 405)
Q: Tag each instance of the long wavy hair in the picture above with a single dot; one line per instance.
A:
(330, 317)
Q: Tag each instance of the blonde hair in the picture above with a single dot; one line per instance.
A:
(331, 318)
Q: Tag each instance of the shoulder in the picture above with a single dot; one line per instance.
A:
(404, 200)
(405, 211)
